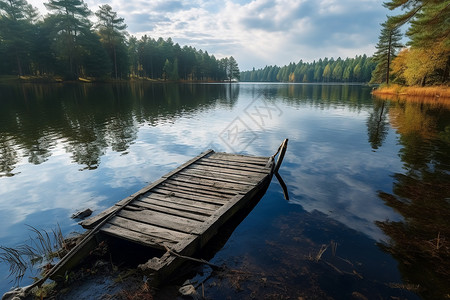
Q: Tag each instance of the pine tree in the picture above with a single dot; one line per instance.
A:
(233, 69)
(388, 43)
(70, 23)
(112, 32)
(428, 19)
(15, 29)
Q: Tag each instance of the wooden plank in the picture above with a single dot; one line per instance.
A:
(161, 220)
(224, 165)
(185, 195)
(235, 186)
(201, 188)
(198, 189)
(181, 201)
(222, 170)
(179, 206)
(209, 228)
(239, 158)
(147, 229)
(219, 172)
(137, 237)
(169, 211)
(219, 177)
(237, 164)
(95, 220)
(232, 155)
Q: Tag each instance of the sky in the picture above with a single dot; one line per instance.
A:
(258, 32)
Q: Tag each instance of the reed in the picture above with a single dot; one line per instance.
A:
(442, 91)
(41, 249)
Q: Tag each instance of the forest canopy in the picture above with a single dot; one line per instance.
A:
(358, 69)
(65, 43)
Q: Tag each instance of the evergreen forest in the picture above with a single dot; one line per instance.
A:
(67, 44)
(358, 69)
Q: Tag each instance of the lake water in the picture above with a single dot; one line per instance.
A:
(368, 179)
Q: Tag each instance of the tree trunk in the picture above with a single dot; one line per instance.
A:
(424, 80)
(115, 61)
(446, 71)
(388, 58)
(19, 65)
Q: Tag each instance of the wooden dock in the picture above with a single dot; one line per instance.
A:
(183, 210)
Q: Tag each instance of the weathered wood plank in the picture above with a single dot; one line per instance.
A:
(207, 207)
(225, 154)
(256, 169)
(137, 237)
(197, 189)
(234, 164)
(160, 219)
(170, 211)
(239, 158)
(93, 221)
(151, 230)
(224, 170)
(223, 173)
(201, 188)
(230, 186)
(189, 196)
(219, 177)
(209, 228)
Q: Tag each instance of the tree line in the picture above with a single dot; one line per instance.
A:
(66, 43)
(358, 69)
(425, 59)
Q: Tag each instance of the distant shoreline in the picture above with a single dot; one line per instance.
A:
(52, 79)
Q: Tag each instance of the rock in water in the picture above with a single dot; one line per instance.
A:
(188, 290)
(82, 214)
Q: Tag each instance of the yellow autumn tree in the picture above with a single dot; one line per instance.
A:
(426, 64)
(398, 66)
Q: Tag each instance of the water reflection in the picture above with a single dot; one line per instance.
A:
(87, 119)
(353, 162)
(378, 124)
(421, 194)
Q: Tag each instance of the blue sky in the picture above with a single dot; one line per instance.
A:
(258, 32)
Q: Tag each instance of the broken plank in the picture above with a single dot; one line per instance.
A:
(177, 200)
(189, 196)
(160, 219)
(151, 230)
(196, 189)
(178, 206)
(137, 237)
(170, 211)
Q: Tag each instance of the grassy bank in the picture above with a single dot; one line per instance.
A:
(417, 91)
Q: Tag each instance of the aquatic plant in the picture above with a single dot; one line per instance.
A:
(42, 249)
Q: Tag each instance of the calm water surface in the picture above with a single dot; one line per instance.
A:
(369, 179)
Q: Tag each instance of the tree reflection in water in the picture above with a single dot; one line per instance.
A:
(421, 241)
(87, 119)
